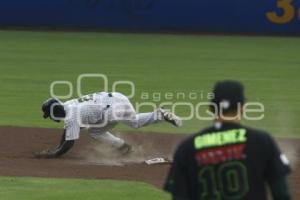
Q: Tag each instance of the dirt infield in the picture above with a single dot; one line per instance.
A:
(91, 159)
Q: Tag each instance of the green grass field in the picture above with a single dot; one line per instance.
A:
(268, 66)
(29, 61)
(75, 189)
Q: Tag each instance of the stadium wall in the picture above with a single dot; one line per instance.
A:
(240, 16)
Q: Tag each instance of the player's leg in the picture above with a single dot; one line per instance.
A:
(138, 120)
(102, 134)
(108, 138)
(123, 111)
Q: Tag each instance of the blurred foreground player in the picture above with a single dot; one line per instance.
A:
(228, 161)
(99, 113)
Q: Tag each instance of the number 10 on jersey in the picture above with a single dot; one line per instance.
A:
(229, 181)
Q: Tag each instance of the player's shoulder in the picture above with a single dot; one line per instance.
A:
(258, 138)
(257, 133)
(185, 147)
(70, 103)
(188, 143)
(208, 129)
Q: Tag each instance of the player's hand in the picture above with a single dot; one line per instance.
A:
(46, 154)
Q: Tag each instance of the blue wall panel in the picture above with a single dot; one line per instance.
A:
(185, 15)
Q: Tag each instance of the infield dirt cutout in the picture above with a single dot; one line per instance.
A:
(93, 160)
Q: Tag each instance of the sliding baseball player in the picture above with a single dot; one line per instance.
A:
(99, 113)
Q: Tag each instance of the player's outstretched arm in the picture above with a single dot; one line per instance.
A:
(62, 148)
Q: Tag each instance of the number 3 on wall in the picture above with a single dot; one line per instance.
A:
(288, 12)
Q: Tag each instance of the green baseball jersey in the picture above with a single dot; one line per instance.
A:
(226, 162)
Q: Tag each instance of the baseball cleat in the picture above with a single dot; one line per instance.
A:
(125, 149)
(171, 117)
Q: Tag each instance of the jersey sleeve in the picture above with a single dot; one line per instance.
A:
(177, 179)
(72, 131)
(72, 126)
(277, 165)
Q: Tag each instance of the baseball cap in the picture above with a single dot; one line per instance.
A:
(228, 94)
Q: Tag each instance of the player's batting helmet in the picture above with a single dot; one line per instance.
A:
(53, 106)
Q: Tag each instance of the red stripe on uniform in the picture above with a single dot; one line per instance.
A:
(220, 154)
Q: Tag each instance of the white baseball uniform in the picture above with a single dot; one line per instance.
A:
(100, 112)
